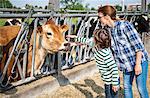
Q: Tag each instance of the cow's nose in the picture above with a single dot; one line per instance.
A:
(65, 46)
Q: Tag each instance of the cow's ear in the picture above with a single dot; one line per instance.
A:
(50, 21)
(64, 28)
(39, 29)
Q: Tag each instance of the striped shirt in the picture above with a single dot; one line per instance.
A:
(125, 43)
(104, 61)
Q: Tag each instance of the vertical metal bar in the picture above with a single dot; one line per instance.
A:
(87, 34)
(71, 52)
(143, 6)
(97, 25)
(143, 36)
(25, 60)
(22, 37)
(34, 46)
(53, 59)
(65, 20)
(20, 70)
(79, 34)
(80, 53)
(70, 24)
(80, 29)
(69, 32)
(123, 5)
(56, 21)
(59, 64)
(81, 47)
(67, 54)
(25, 54)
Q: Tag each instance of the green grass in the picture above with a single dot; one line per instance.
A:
(74, 20)
(2, 22)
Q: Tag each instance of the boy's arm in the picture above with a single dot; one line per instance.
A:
(82, 40)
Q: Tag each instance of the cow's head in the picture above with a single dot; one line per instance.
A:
(52, 38)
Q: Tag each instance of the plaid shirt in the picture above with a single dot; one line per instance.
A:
(125, 43)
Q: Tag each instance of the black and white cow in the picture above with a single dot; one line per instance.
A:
(11, 22)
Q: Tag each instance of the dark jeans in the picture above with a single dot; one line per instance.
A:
(109, 93)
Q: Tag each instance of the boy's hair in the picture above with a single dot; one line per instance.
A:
(102, 38)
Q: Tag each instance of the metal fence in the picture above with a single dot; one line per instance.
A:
(78, 53)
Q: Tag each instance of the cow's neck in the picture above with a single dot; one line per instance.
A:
(39, 58)
(40, 54)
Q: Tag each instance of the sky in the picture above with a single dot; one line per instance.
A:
(92, 3)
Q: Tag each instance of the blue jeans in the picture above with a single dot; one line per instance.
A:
(140, 82)
(109, 93)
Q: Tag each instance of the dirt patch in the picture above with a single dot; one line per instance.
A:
(89, 87)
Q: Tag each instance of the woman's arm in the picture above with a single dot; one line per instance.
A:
(136, 42)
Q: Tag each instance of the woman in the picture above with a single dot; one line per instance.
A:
(128, 50)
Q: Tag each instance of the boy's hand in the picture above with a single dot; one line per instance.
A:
(71, 36)
(115, 88)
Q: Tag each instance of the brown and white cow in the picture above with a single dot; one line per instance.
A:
(49, 39)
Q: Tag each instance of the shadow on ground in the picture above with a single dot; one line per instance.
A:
(62, 80)
(90, 83)
(95, 88)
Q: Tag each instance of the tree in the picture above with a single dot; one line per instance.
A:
(93, 8)
(87, 6)
(72, 4)
(118, 7)
(14, 7)
(78, 6)
(40, 7)
(27, 6)
(45, 7)
(36, 7)
(5, 4)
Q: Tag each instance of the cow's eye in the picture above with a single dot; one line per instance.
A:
(49, 33)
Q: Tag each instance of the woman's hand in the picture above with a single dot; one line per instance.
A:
(138, 69)
(115, 88)
(71, 36)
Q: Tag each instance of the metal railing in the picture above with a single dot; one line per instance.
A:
(76, 55)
